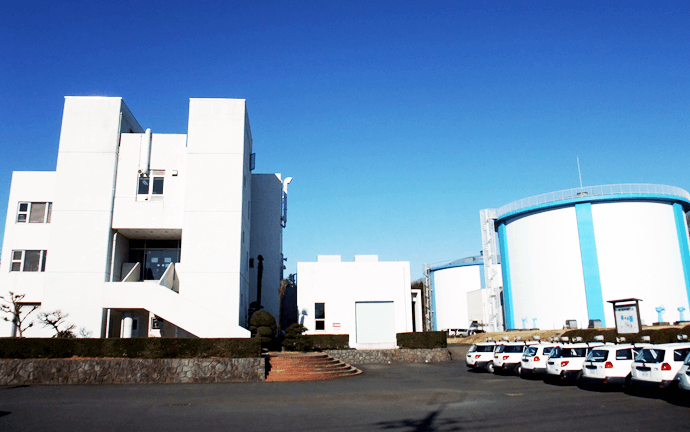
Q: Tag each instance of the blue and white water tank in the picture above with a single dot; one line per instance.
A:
(458, 296)
(565, 254)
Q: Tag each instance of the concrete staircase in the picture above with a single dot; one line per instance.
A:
(306, 367)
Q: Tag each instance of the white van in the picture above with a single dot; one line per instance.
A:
(534, 359)
(657, 365)
(566, 360)
(610, 364)
(481, 355)
(507, 357)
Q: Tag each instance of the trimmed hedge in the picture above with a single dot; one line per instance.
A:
(143, 348)
(657, 336)
(416, 340)
(329, 341)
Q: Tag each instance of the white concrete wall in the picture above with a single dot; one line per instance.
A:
(639, 256)
(168, 153)
(340, 285)
(25, 187)
(451, 286)
(266, 230)
(546, 269)
(79, 247)
(215, 207)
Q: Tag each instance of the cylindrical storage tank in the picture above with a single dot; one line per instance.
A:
(565, 255)
(450, 284)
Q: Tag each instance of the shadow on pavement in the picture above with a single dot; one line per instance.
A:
(427, 424)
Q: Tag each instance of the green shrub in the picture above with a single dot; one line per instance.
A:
(294, 340)
(261, 318)
(416, 340)
(147, 348)
(265, 332)
(322, 342)
(294, 330)
(657, 336)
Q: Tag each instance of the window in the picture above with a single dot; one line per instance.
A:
(143, 186)
(157, 186)
(151, 186)
(624, 354)
(34, 212)
(28, 260)
(680, 354)
(320, 316)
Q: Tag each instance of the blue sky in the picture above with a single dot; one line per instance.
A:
(398, 120)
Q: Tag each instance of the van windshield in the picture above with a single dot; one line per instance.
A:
(531, 351)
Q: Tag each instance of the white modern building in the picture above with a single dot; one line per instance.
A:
(139, 234)
(565, 254)
(367, 299)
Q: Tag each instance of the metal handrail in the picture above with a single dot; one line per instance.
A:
(618, 189)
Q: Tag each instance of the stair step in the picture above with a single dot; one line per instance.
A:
(307, 367)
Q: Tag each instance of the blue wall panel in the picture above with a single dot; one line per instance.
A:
(590, 262)
(683, 242)
(507, 287)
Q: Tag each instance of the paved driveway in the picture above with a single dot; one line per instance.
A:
(416, 397)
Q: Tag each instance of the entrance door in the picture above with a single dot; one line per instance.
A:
(375, 325)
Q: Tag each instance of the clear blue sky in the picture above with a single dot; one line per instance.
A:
(399, 120)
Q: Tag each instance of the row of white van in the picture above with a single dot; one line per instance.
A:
(633, 365)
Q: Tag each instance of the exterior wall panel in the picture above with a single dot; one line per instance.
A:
(639, 257)
(451, 286)
(546, 269)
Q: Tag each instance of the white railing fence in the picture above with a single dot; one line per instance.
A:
(619, 189)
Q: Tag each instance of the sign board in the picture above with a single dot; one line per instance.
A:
(336, 325)
(627, 318)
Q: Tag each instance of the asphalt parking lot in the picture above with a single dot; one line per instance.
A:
(414, 397)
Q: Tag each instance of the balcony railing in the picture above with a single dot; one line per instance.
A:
(619, 189)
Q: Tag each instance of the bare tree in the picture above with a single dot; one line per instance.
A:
(56, 319)
(284, 284)
(12, 305)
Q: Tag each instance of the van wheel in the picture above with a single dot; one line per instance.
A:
(490, 367)
(518, 370)
(627, 381)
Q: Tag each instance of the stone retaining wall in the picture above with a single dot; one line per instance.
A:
(385, 356)
(131, 371)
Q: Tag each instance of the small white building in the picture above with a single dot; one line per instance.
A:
(137, 234)
(367, 299)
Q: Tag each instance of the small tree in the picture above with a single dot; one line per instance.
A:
(12, 305)
(56, 319)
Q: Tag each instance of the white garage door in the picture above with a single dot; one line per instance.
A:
(375, 325)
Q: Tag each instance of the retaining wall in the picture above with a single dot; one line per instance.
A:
(385, 356)
(131, 371)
